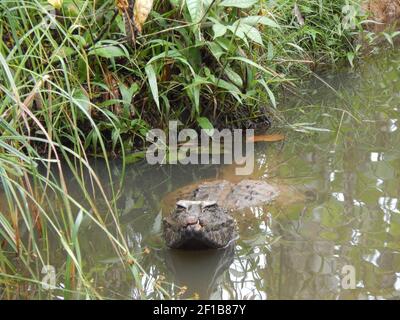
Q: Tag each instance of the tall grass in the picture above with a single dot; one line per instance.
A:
(65, 95)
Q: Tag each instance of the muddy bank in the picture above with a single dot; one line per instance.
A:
(384, 13)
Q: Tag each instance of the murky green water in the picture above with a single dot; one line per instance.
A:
(300, 250)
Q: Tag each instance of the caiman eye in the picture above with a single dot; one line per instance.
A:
(210, 206)
(182, 205)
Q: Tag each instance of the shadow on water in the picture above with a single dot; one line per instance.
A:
(297, 249)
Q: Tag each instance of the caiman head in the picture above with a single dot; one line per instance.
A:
(197, 225)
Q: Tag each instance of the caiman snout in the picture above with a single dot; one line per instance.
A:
(192, 220)
(193, 227)
(188, 227)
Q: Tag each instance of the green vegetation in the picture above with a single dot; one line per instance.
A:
(223, 63)
(71, 87)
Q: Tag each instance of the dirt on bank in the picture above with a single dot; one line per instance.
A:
(385, 13)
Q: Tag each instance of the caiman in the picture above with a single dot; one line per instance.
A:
(202, 217)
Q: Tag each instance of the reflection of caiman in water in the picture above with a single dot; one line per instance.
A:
(202, 218)
(200, 272)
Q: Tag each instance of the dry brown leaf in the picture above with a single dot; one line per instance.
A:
(267, 138)
(126, 9)
(141, 12)
(112, 83)
(57, 4)
(299, 16)
(122, 5)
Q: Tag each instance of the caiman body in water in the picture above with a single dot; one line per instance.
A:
(202, 218)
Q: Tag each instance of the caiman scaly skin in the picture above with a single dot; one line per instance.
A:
(202, 218)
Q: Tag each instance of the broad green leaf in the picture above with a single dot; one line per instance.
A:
(219, 30)
(81, 40)
(388, 38)
(233, 76)
(194, 92)
(225, 44)
(251, 63)
(296, 46)
(206, 125)
(82, 100)
(252, 33)
(195, 8)
(269, 92)
(243, 4)
(216, 49)
(108, 52)
(255, 20)
(271, 50)
(151, 75)
(66, 52)
(231, 88)
(127, 93)
(172, 54)
(175, 3)
(239, 32)
(245, 30)
(135, 157)
(350, 57)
